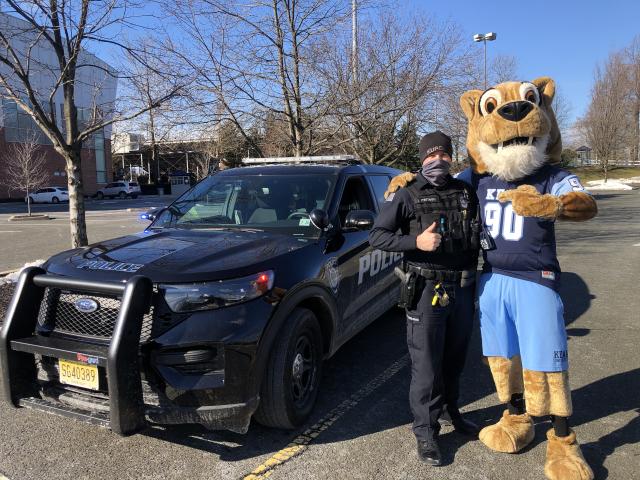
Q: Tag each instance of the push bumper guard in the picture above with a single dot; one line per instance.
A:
(19, 343)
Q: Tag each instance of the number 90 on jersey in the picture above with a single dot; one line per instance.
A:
(503, 222)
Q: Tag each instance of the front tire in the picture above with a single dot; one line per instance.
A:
(292, 376)
(122, 195)
(55, 200)
(99, 195)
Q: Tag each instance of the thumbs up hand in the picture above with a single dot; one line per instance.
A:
(428, 241)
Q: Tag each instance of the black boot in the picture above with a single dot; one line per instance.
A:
(429, 451)
(460, 424)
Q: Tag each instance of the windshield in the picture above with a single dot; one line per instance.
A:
(264, 202)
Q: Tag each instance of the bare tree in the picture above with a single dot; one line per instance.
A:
(632, 60)
(256, 60)
(562, 109)
(25, 167)
(36, 84)
(605, 122)
(403, 67)
(503, 68)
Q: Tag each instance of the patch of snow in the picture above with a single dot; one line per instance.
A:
(13, 277)
(610, 185)
(631, 180)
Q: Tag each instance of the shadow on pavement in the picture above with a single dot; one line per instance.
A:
(608, 396)
(352, 368)
(576, 299)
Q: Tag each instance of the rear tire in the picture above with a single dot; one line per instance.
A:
(292, 375)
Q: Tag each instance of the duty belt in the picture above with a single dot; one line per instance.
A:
(439, 275)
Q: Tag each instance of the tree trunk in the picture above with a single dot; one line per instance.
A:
(28, 203)
(77, 221)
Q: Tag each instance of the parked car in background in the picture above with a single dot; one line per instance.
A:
(49, 195)
(121, 189)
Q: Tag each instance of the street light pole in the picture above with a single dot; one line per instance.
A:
(487, 37)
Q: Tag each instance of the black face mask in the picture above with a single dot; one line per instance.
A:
(436, 172)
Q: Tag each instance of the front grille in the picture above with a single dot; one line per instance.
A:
(58, 313)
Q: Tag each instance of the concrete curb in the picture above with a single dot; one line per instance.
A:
(27, 218)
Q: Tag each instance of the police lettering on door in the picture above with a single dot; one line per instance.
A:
(376, 261)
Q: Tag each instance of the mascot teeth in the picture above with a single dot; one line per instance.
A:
(514, 158)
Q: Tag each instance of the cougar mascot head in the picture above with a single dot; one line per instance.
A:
(512, 128)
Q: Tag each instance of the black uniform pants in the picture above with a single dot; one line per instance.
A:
(438, 338)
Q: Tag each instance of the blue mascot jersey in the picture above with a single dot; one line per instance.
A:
(525, 246)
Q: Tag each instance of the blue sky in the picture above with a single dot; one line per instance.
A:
(563, 39)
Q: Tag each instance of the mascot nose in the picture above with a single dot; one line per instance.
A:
(515, 111)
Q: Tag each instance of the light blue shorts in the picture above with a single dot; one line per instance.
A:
(520, 317)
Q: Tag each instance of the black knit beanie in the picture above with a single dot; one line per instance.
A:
(434, 141)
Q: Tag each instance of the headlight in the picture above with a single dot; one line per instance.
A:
(189, 297)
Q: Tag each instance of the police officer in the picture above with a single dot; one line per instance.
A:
(434, 221)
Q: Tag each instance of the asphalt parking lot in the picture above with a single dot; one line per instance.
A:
(27, 241)
(361, 425)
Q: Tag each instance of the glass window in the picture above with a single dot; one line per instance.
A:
(379, 183)
(355, 196)
(101, 168)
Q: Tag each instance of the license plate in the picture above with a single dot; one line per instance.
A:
(78, 374)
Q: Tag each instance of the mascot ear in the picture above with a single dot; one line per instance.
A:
(469, 102)
(547, 88)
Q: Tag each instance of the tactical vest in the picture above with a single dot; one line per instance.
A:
(454, 209)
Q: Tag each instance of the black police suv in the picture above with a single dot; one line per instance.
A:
(223, 308)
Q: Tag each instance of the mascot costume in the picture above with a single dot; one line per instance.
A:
(513, 141)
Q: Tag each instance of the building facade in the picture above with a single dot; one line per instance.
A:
(95, 87)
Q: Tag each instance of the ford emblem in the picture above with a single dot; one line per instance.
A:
(86, 305)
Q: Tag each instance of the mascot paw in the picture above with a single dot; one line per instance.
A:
(564, 459)
(399, 181)
(510, 435)
(528, 202)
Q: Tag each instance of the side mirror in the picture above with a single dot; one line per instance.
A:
(359, 220)
(319, 218)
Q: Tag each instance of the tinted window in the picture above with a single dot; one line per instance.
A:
(355, 196)
(379, 183)
(133, 184)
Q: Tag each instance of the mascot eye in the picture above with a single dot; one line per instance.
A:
(490, 101)
(529, 92)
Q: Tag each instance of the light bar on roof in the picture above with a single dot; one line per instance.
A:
(316, 159)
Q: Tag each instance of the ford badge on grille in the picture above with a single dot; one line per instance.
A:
(86, 305)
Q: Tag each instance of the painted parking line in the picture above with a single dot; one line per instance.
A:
(10, 231)
(637, 245)
(300, 444)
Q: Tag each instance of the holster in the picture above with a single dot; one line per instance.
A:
(408, 287)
